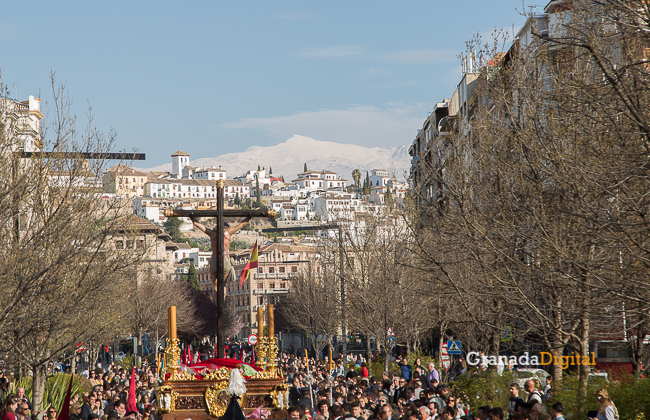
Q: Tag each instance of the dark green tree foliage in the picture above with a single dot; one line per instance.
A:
(237, 199)
(388, 197)
(270, 170)
(193, 278)
(258, 167)
(173, 227)
(305, 168)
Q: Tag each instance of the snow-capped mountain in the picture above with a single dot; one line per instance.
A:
(288, 159)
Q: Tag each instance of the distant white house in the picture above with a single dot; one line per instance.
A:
(319, 180)
(379, 178)
(211, 173)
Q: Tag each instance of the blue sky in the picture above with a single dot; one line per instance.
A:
(213, 77)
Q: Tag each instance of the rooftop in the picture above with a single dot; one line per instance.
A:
(180, 153)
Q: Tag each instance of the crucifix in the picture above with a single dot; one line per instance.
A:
(219, 251)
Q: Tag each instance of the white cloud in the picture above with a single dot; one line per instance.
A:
(420, 56)
(334, 51)
(392, 125)
(294, 16)
(377, 71)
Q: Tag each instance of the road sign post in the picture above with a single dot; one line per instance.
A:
(453, 347)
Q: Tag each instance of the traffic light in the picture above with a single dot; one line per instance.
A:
(351, 335)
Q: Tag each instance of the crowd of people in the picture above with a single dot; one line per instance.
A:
(410, 393)
(107, 399)
(318, 391)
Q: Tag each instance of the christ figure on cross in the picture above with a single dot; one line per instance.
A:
(228, 269)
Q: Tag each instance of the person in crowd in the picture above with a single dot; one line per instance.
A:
(406, 370)
(22, 413)
(88, 405)
(483, 412)
(607, 409)
(495, 413)
(22, 398)
(514, 401)
(9, 407)
(293, 413)
(556, 411)
(75, 411)
(534, 396)
(448, 413)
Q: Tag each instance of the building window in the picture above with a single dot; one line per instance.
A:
(129, 244)
(294, 269)
(261, 300)
(260, 269)
(283, 285)
(272, 285)
(119, 244)
(281, 269)
(139, 244)
(271, 270)
(260, 285)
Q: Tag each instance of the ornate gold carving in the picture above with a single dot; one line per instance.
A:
(272, 354)
(168, 212)
(217, 398)
(272, 213)
(172, 355)
(221, 183)
(260, 350)
(181, 375)
(189, 402)
(166, 398)
(265, 374)
(217, 375)
(280, 396)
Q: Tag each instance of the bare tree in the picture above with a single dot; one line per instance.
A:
(59, 269)
(312, 305)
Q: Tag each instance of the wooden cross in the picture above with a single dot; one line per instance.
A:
(218, 279)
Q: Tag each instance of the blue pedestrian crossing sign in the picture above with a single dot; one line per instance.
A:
(453, 347)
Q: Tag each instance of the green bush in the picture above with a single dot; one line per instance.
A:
(630, 395)
(484, 388)
(55, 389)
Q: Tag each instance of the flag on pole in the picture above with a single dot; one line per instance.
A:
(252, 263)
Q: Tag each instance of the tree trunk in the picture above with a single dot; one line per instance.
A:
(156, 353)
(386, 358)
(368, 351)
(584, 351)
(136, 355)
(38, 387)
(558, 345)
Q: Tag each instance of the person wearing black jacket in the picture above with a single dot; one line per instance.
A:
(88, 405)
(295, 392)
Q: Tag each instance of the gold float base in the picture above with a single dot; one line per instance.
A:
(190, 398)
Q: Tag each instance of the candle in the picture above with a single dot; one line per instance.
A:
(172, 322)
(270, 321)
(260, 321)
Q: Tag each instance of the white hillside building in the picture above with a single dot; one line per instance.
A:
(319, 180)
(193, 188)
(21, 122)
(379, 178)
(180, 160)
(210, 173)
(251, 176)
